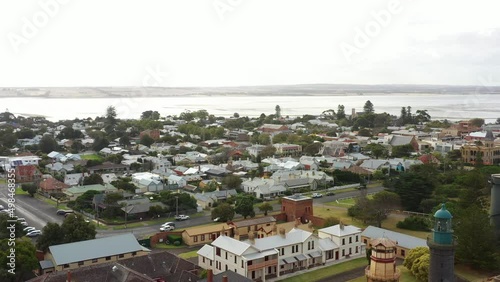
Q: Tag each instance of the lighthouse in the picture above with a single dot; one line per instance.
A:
(442, 248)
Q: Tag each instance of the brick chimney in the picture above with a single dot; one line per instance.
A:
(210, 275)
(251, 237)
(282, 232)
(68, 279)
(224, 278)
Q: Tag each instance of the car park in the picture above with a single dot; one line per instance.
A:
(181, 217)
(34, 233)
(317, 195)
(167, 228)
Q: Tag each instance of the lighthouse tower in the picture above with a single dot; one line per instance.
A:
(442, 248)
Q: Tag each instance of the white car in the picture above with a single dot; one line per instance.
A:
(23, 223)
(34, 233)
(29, 229)
(317, 195)
(181, 217)
(168, 224)
(167, 228)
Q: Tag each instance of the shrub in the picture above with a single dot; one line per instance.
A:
(416, 223)
(177, 243)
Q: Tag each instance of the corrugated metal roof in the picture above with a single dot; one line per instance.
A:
(339, 232)
(402, 240)
(295, 236)
(206, 251)
(97, 248)
(230, 244)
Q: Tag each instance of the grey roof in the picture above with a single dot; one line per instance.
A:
(397, 140)
(232, 245)
(295, 236)
(403, 240)
(337, 231)
(327, 244)
(140, 208)
(254, 221)
(97, 248)
(297, 182)
(45, 264)
(206, 251)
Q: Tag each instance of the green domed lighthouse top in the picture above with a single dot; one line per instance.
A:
(443, 213)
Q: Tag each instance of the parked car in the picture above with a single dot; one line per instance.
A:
(168, 223)
(28, 229)
(34, 233)
(329, 193)
(167, 228)
(317, 195)
(23, 223)
(64, 212)
(181, 217)
(216, 219)
(21, 219)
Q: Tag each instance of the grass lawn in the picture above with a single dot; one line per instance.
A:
(346, 202)
(19, 191)
(91, 157)
(171, 246)
(319, 274)
(389, 223)
(189, 255)
(406, 276)
(469, 274)
(53, 203)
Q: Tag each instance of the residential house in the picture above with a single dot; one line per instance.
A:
(404, 243)
(260, 226)
(52, 185)
(396, 140)
(205, 234)
(23, 160)
(346, 237)
(76, 191)
(153, 133)
(373, 165)
(70, 256)
(177, 180)
(108, 167)
(27, 173)
(60, 167)
(139, 210)
(74, 179)
(255, 150)
(273, 128)
(288, 149)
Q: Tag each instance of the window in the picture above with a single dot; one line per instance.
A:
(356, 249)
(94, 260)
(296, 248)
(235, 259)
(210, 262)
(343, 241)
(121, 256)
(80, 263)
(108, 258)
(66, 265)
(312, 245)
(253, 274)
(343, 252)
(357, 238)
(350, 240)
(203, 237)
(226, 255)
(403, 253)
(309, 245)
(217, 251)
(365, 241)
(282, 251)
(242, 266)
(226, 267)
(134, 253)
(266, 258)
(195, 238)
(250, 262)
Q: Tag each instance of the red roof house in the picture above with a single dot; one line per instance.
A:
(27, 173)
(52, 185)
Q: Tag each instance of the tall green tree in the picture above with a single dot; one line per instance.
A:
(94, 178)
(224, 212)
(52, 234)
(278, 111)
(26, 260)
(232, 181)
(476, 240)
(368, 107)
(244, 205)
(110, 119)
(146, 140)
(265, 208)
(75, 229)
(47, 144)
(340, 112)
(413, 187)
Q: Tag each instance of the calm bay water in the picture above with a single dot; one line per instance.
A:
(439, 106)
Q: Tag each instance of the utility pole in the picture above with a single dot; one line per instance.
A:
(177, 205)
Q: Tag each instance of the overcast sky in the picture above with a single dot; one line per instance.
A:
(248, 42)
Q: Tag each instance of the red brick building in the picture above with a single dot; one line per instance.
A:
(297, 207)
(27, 173)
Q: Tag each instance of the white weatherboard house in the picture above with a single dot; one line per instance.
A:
(270, 257)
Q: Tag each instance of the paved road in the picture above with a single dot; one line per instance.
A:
(39, 213)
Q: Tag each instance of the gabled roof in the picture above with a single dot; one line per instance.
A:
(206, 251)
(327, 244)
(97, 248)
(254, 221)
(337, 231)
(403, 240)
(295, 236)
(52, 184)
(232, 245)
(397, 140)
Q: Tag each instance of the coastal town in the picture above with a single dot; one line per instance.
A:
(347, 195)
